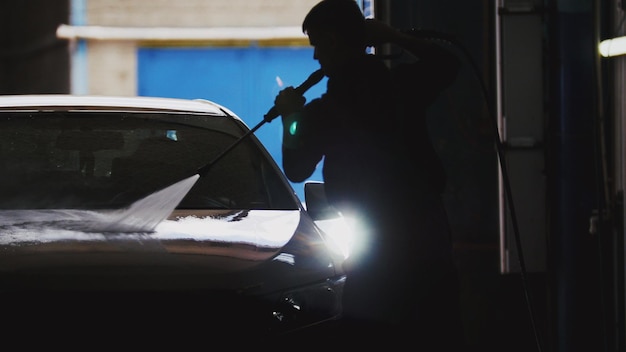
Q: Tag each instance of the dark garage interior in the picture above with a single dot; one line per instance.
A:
(542, 267)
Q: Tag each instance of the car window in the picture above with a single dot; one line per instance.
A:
(97, 160)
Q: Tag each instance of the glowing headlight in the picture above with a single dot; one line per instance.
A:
(345, 234)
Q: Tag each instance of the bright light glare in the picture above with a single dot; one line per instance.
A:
(342, 234)
(612, 47)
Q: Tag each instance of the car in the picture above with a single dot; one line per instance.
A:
(149, 218)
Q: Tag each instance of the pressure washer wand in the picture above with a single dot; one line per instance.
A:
(313, 79)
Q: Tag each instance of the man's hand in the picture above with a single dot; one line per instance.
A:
(378, 32)
(288, 101)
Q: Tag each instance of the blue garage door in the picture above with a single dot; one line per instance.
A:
(245, 80)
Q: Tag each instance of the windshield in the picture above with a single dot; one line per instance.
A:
(103, 160)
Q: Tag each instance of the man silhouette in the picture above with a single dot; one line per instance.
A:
(381, 171)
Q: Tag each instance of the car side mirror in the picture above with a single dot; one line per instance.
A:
(316, 203)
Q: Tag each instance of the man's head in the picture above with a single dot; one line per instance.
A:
(342, 18)
(336, 31)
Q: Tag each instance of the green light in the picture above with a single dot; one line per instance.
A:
(293, 128)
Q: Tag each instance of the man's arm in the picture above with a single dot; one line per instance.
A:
(435, 60)
(300, 152)
(423, 48)
(434, 69)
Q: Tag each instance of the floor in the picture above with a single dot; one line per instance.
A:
(496, 311)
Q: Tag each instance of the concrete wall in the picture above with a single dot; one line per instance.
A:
(110, 66)
(197, 13)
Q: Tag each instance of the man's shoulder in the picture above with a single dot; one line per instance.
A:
(362, 73)
(375, 69)
(375, 62)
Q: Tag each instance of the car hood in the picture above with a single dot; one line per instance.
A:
(254, 250)
(262, 232)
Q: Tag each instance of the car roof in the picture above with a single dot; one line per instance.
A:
(64, 102)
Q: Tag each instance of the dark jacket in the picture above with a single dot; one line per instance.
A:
(370, 130)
